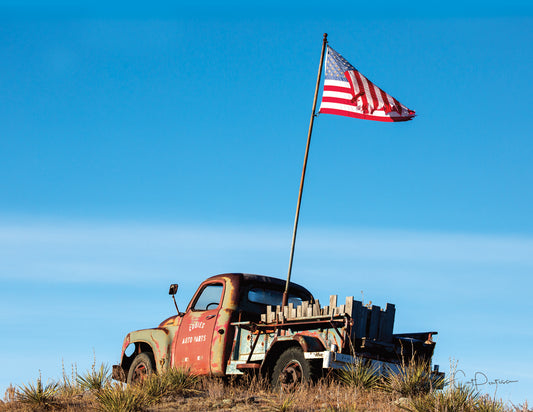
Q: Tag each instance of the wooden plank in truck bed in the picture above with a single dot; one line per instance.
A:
(373, 327)
(386, 324)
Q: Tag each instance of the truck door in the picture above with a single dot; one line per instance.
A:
(191, 347)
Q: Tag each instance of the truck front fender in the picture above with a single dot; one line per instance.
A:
(156, 340)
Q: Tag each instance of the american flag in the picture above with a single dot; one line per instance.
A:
(348, 93)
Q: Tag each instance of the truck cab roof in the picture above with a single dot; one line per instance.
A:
(248, 279)
(256, 292)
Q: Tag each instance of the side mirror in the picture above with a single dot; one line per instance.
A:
(173, 289)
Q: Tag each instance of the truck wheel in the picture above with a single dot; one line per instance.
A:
(141, 367)
(291, 369)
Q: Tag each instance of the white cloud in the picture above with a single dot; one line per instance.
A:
(107, 252)
(421, 246)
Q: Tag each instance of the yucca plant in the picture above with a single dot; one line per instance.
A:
(179, 381)
(411, 379)
(153, 388)
(460, 398)
(457, 397)
(171, 382)
(486, 404)
(95, 380)
(116, 398)
(361, 374)
(38, 396)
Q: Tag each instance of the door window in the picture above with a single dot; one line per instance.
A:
(209, 297)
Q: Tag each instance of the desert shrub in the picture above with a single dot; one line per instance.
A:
(116, 398)
(38, 396)
(486, 404)
(179, 381)
(94, 379)
(460, 398)
(153, 387)
(361, 374)
(411, 379)
(171, 382)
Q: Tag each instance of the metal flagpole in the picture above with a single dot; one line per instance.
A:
(286, 292)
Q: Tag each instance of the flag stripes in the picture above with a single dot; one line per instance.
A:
(348, 93)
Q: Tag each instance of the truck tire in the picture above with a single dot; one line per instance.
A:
(141, 367)
(292, 369)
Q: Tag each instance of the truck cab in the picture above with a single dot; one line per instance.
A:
(201, 339)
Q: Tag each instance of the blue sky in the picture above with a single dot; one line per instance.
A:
(140, 147)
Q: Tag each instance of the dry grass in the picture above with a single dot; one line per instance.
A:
(118, 398)
(182, 391)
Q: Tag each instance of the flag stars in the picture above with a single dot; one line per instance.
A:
(336, 66)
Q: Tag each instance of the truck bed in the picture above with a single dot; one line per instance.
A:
(346, 331)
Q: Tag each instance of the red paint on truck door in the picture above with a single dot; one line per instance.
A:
(191, 348)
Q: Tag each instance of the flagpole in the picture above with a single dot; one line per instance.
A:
(286, 292)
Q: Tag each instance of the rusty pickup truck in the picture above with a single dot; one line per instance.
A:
(235, 324)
